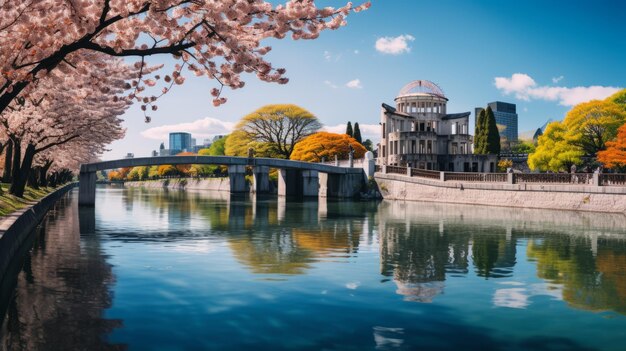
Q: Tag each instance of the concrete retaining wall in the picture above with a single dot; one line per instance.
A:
(595, 199)
(218, 184)
(15, 227)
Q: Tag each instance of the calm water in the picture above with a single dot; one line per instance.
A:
(155, 270)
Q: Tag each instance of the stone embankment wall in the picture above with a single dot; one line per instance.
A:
(217, 184)
(559, 197)
(15, 227)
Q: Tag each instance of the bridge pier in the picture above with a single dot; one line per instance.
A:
(237, 177)
(261, 180)
(341, 185)
(87, 189)
(293, 182)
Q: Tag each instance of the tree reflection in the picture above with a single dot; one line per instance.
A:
(493, 254)
(62, 291)
(589, 282)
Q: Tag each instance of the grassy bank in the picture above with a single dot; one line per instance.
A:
(10, 203)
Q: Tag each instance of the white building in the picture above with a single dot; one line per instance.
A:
(420, 133)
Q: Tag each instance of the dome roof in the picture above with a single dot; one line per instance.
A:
(420, 87)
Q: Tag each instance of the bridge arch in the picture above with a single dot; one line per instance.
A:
(295, 177)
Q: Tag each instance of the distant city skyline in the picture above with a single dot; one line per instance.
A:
(543, 61)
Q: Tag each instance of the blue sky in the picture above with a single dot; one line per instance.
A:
(547, 54)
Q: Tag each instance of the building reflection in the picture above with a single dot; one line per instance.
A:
(62, 290)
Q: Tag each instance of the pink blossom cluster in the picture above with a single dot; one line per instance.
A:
(219, 39)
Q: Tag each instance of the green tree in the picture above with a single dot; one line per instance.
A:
(491, 134)
(216, 149)
(554, 152)
(479, 144)
(349, 129)
(272, 131)
(369, 145)
(357, 133)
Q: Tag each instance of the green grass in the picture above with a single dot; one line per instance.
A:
(10, 203)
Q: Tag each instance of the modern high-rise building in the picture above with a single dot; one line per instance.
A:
(506, 118)
(179, 142)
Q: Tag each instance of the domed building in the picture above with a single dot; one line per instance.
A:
(420, 133)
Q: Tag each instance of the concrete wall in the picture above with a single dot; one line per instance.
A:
(218, 184)
(15, 227)
(560, 197)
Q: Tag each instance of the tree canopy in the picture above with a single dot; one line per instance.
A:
(272, 131)
(216, 39)
(327, 145)
(553, 152)
(615, 154)
(357, 133)
(479, 144)
(349, 131)
(586, 131)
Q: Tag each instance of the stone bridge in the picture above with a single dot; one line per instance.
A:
(295, 178)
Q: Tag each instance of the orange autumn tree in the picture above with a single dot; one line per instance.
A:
(326, 145)
(185, 169)
(615, 154)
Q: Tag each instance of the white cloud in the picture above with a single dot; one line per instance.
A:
(354, 84)
(394, 45)
(331, 84)
(356, 52)
(525, 88)
(557, 79)
(368, 131)
(327, 56)
(202, 128)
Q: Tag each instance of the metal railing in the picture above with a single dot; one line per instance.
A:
(603, 179)
(612, 179)
(554, 178)
(476, 177)
(396, 170)
(416, 172)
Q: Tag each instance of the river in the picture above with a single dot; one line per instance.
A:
(176, 270)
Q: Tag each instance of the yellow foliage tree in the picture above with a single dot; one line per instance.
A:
(167, 170)
(272, 131)
(585, 131)
(327, 145)
(553, 152)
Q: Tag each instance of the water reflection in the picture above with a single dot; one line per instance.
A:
(243, 272)
(64, 286)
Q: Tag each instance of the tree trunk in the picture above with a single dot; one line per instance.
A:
(33, 182)
(43, 174)
(8, 162)
(19, 181)
(17, 158)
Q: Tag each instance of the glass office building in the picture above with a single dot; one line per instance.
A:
(179, 142)
(506, 118)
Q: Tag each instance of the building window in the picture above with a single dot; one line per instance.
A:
(429, 147)
(455, 148)
(453, 129)
(412, 146)
(384, 130)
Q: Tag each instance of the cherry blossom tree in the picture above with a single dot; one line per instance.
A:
(217, 39)
(75, 111)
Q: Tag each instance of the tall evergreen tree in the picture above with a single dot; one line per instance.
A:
(357, 133)
(479, 139)
(491, 134)
(349, 129)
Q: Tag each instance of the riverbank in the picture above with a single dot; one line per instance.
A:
(10, 203)
(557, 197)
(15, 227)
